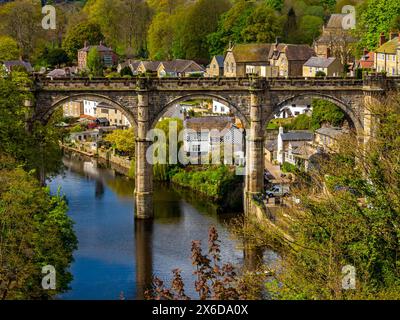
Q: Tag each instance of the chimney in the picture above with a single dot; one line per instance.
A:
(328, 52)
(101, 42)
(85, 44)
(366, 52)
(382, 39)
(393, 35)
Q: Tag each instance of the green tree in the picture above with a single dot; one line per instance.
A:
(375, 16)
(8, 48)
(354, 222)
(263, 25)
(78, 34)
(198, 21)
(161, 37)
(123, 141)
(94, 62)
(54, 57)
(309, 29)
(326, 112)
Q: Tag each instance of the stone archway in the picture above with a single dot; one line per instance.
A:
(236, 111)
(346, 108)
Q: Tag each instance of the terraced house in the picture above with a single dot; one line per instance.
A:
(387, 56)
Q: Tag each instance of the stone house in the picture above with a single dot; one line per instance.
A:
(179, 68)
(148, 67)
(216, 67)
(326, 138)
(366, 62)
(243, 59)
(73, 109)
(289, 58)
(108, 57)
(387, 56)
(331, 67)
(205, 135)
(131, 64)
(114, 116)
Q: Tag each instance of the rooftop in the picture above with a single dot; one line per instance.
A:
(390, 46)
(331, 132)
(180, 65)
(298, 136)
(293, 52)
(252, 52)
(208, 123)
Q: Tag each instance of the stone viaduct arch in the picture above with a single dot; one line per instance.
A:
(254, 101)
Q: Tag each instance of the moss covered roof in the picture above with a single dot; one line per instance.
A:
(252, 52)
(389, 47)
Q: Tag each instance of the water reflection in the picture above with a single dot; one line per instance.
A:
(118, 254)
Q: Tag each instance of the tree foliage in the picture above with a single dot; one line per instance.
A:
(8, 49)
(35, 232)
(78, 34)
(123, 141)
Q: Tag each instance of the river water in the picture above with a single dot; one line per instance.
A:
(117, 256)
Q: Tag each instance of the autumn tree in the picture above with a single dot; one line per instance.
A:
(123, 141)
(161, 37)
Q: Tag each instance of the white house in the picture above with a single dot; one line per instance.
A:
(89, 108)
(220, 108)
(289, 142)
(204, 136)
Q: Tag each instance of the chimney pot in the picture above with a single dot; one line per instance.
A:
(393, 35)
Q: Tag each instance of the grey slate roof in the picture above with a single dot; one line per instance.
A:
(13, 63)
(298, 136)
(220, 61)
(319, 62)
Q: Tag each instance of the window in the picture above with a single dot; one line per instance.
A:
(196, 148)
(222, 109)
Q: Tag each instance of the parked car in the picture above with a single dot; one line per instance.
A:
(278, 191)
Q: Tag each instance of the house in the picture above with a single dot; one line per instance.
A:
(388, 55)
(366, 62)
(12, 64)
(289, 58)
(243, 59)
(220, 108)
(289, 142)
(108, 57)
(326, 138)
(89, 107)
(335, 40)
(331, 67)
(131, 64)
(216, 67)
(179, 68)
(61, 73)
(148, 67)
(103, 122)
(203, 136)
(295, 109)
(93, 135)
(73, 109)
(114, 116)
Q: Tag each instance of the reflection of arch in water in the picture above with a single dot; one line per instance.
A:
(94, 97)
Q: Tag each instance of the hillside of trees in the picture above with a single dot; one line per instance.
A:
(167, 29)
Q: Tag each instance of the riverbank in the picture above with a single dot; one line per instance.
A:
(218, 183)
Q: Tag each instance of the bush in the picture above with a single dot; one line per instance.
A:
(289, 168)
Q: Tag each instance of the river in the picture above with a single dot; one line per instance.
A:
(117, 256)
